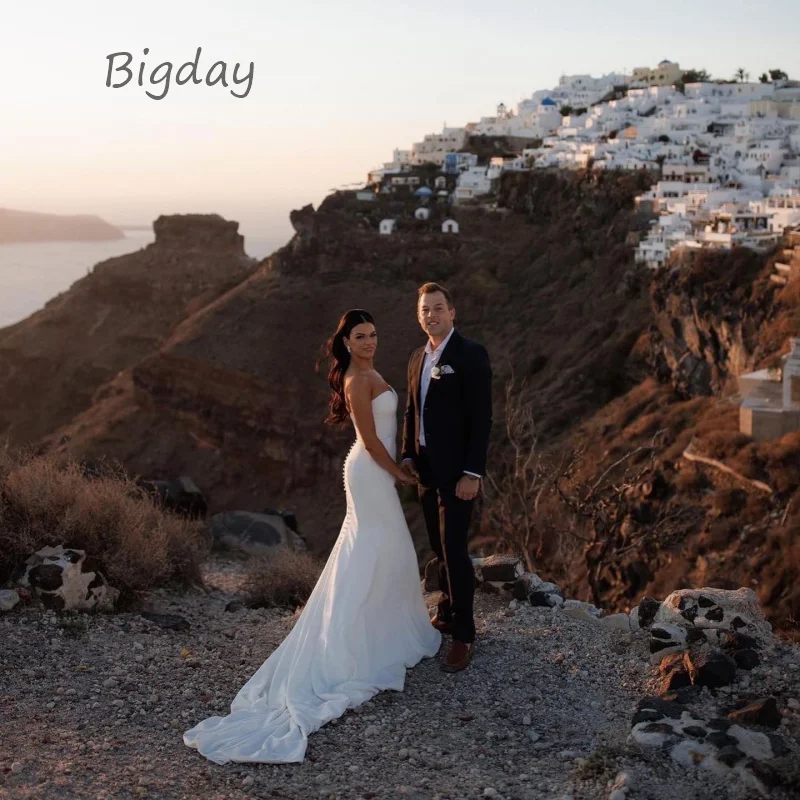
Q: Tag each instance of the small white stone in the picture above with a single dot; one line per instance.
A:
(8, 599)
(16, 767)
(248, 781)
(620, 622)
(489, 792)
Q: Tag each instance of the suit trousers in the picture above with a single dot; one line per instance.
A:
(447, 521)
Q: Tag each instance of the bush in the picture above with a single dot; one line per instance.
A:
(284, 580)
(45, 501)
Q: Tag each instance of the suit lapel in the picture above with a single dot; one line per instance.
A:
(418, 373)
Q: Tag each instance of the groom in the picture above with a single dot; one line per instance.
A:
(445, 437)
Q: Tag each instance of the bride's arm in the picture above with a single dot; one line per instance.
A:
(358, 393)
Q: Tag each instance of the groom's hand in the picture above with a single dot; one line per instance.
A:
(408, 467)
(467, 487)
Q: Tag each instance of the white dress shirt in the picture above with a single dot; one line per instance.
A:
(431, 359)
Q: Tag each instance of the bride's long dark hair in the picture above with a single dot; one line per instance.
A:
(335, 353)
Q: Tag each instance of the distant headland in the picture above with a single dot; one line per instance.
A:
(30, 226)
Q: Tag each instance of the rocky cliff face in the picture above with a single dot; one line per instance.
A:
(730, 518)
(123, 310)
(716, 316)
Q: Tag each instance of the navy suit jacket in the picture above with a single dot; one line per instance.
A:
(457, 412)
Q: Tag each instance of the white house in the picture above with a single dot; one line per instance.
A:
(386, 226)
(449, 226)
(473, 182)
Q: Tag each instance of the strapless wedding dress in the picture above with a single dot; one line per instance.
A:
(364, 624)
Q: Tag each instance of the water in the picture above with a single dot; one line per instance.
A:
(33, 273)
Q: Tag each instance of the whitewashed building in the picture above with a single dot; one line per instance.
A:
(450, 226)
(435, 146)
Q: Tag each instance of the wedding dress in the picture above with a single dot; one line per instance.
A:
(363, 625)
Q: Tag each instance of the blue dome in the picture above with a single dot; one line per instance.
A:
(423, 190)
(548, 102)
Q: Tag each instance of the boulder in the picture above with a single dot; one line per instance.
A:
(529, 586)
(577, 609)
(545, 599)
(255, 533)
(716, 610)
(8, 599)
(501, 570)
(666, 639)
(66, 579)
(718, 745)
(711, 668)
(181, 496)
(619, 622)
(762, 712)
(645, 612)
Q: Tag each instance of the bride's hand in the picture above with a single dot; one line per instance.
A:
(405, 479)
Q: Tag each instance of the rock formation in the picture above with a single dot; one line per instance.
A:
(52, 363)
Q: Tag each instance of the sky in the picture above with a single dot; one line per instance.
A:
(335, 87)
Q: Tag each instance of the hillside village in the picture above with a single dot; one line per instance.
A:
(727, 153)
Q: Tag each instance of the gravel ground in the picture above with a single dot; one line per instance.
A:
(95, 706)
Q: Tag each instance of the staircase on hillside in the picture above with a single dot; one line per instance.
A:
(788, 268)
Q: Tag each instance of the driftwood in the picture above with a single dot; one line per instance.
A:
(712, 462)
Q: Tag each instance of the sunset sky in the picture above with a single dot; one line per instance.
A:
(336, 86)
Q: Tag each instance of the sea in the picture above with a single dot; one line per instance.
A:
(33, 273)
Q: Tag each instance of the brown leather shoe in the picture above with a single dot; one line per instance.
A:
(442, 626)
(459, 656)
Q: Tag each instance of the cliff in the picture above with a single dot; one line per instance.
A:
(231, 395)
(730, 518)
(28, 226)
(52, 362)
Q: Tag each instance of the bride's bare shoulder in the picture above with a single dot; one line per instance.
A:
(357, 383)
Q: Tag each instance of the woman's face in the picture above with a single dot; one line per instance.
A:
(363, 340)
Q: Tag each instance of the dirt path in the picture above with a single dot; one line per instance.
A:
(94, 707)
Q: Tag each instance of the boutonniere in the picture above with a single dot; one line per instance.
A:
(435, 372)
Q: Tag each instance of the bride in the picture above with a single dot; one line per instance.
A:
(366, 620)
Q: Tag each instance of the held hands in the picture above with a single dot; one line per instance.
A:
(467, 487)
(408, 473)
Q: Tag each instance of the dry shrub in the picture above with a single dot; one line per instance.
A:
(283, 580)
(45, 501)
(728, 501)
(690, 478)
(782, 458)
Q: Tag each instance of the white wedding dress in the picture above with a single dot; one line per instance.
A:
(364, 624)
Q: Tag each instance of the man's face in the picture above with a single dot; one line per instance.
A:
(434, 315)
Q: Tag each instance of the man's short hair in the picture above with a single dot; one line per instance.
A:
(430, 288)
